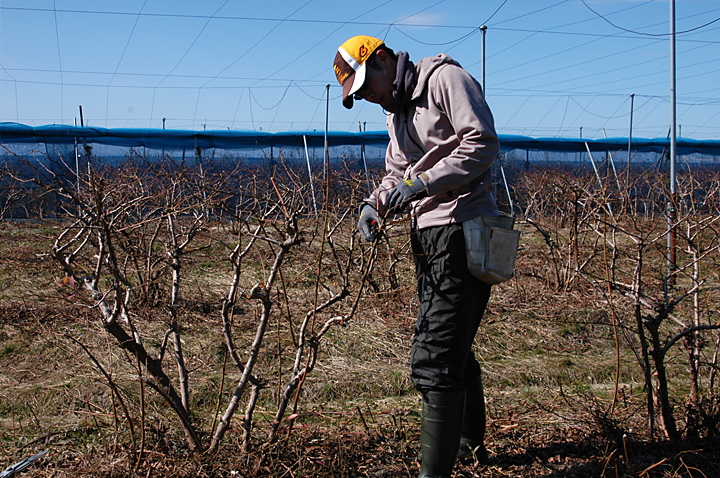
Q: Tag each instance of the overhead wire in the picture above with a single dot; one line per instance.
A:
(501, 91)
(62, 86)
(464, 37)
(148, 87)
(593, 74)
(318, 43)
(562, 122)
(627, 97)
(706, 122)
(640, 121)
(545, 116)
(316, 98)
(297, 84)
(197, 37)
(402, 19)
(586, 110)
(517, 110)
(583, 109)
(269, 107)
(532, 13)
(312, 118)
(533, 93)
(270, 19)
(258, 42)
(152, 108)
(649, 34)
(237, 108)
(625, 78)
(590, 34)
(495, 12)
(127, 43)
(451, 42)
(17, 107)
(140, 74)
(547, 31)
(308, 50)
(243, 18)
(569, 49)
(279, 104)
(574, 65)
(550, 30)
(197, 103)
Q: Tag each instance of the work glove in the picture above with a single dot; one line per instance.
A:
(403, 194)
(368, 223)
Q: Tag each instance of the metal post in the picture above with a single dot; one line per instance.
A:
(507, 189)
(632, 108)
(364, 160)
(483, 29)
(673, 123)
(612, 162)
(327, 116)
(672, 203)
(163, 153)
(77, 170)
(312, 186)
(85, 148)
(77, 166)
(597, 175)
(579, 153)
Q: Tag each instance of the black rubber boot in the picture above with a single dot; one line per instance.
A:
(472, 437)
(440, 432)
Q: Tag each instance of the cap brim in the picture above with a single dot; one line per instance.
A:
(353, 83)
(347, 96)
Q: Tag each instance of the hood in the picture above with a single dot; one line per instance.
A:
(425, 68)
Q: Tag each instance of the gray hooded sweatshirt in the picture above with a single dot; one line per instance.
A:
(446, 135)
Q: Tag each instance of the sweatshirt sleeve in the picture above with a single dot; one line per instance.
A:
(395, 165)
(455, 92)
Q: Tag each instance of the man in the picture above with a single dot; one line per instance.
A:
(442, 145)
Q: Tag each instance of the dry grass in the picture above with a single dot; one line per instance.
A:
(549, 361)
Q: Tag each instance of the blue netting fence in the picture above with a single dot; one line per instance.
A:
(70, 151)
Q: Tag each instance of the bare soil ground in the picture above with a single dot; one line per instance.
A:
(549, 358)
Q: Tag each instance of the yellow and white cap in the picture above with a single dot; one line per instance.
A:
(351, 64)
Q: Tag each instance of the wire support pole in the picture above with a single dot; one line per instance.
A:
(507, 191)
(86, 150)
(312, 186)
(597, 175)
(672, 203)
(77, 170)
(364, 159)
(483, 29)
(629, 162)
(327, 148)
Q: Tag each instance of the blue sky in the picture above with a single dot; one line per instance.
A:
(552, 66)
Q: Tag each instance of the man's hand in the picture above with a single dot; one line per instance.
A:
(368, 223)
(403, 194)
